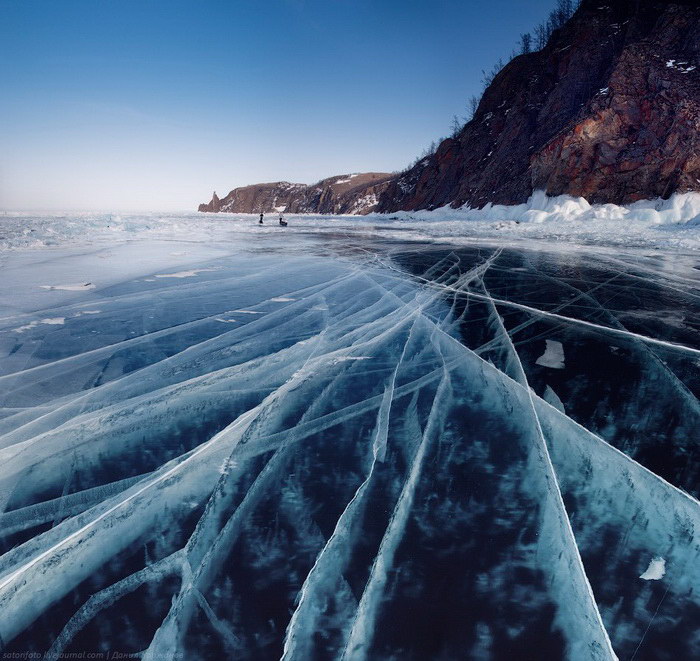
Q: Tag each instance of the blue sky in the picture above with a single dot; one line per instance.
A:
(149, 105)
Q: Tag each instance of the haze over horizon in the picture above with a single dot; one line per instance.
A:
(139, 106)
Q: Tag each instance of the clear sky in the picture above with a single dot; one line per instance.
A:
(150, 105)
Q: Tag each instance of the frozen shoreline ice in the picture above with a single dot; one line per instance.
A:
(558, 221)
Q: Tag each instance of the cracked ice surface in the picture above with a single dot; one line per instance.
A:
(369, 460)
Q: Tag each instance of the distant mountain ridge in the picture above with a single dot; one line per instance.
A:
(608, 110)
(341, 194)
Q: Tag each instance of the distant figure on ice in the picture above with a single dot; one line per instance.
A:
(261, 217)
(283, 223)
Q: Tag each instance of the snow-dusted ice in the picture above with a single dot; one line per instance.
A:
(346, 439)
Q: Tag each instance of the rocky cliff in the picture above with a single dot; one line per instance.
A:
(609, 110)
(348, 193)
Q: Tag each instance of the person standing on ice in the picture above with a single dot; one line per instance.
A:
(261, 217)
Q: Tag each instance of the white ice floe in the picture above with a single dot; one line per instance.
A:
(71, 287)
(655, 571)
(281, 299)
(183, 274)
(51, 321)
(553, 355)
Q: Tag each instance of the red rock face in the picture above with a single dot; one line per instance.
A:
(640, 138)
(609, 110)
(256, 198)
(350, 193)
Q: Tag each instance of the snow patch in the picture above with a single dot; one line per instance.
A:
(345, 181)
(683, 67)
(364, 203)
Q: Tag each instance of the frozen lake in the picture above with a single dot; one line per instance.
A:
(220, 441)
